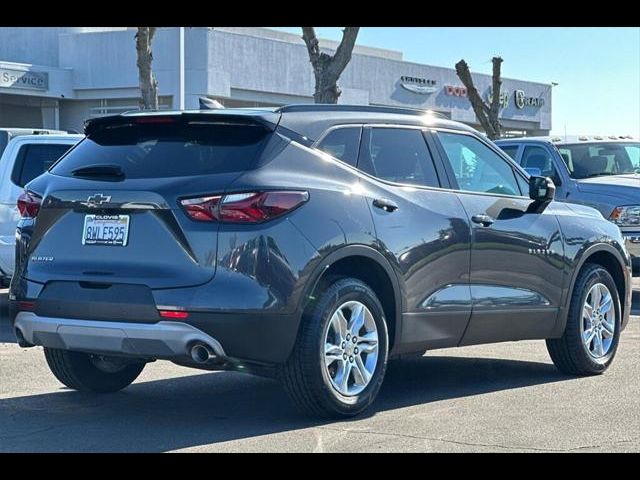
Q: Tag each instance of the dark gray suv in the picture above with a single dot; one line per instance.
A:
(308, 242)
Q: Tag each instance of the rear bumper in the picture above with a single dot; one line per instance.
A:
(255, 323)
(165, 340)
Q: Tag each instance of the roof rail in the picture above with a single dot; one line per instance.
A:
(331, 107)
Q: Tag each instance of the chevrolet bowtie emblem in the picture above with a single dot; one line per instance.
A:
(98, 199)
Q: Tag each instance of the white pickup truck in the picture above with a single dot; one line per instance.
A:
(24, 158)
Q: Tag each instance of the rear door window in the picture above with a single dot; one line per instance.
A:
(399, 155)
(168, 150)
(35, 159)
(538, 157)
(342, 143)
(511, 150)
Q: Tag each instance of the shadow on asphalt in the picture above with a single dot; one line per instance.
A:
(210, 408)
(6, 332)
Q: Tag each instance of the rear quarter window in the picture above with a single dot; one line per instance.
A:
(35, 159)
(168, 150)
(342, 143)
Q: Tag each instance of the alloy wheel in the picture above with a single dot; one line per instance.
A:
(598, 321)
(351, 348)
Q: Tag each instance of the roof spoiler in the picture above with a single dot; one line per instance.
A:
(266, 119)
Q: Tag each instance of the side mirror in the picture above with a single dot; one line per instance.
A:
(533, 171)
(542, 190)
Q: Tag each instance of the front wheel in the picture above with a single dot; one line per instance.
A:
(339, 360)
(591, 336)
(91, 373)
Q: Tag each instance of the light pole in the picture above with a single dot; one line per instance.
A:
(551, 85)
(181, 69)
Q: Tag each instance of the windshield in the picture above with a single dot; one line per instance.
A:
(596, 159)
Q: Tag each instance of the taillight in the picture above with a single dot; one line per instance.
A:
(28, 204)
(202, 208)
(175, 314)
(154, 119)
(252, 207)
(25, 305)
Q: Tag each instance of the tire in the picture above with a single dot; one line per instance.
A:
(306, 378)
(569, 352)
(83, 372)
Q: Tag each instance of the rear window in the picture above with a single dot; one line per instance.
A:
(168, 150)
(35, 159)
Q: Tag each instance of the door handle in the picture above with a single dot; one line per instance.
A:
(385, 204)
(482, 219)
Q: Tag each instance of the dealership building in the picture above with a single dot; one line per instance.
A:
(57, 77)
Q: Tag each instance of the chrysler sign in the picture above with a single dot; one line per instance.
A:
(25, 79)
(419, 85)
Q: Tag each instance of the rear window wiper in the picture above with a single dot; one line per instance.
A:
(100, 170)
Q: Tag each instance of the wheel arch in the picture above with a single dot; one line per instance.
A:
(369, 265)
(612, 260)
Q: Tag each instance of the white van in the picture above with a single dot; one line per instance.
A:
(24, 158)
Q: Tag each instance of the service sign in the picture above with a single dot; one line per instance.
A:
(25, 79)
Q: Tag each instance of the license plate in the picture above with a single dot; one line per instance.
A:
(106, 230)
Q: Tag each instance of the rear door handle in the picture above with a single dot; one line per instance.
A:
(385, 204)
(482, 219)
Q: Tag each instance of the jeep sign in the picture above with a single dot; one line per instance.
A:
(10, 78)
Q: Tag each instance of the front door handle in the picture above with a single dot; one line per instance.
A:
(385, 204)
(482, 219)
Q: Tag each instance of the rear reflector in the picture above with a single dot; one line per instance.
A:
(28, 204)
(251, 207)
(176, 314)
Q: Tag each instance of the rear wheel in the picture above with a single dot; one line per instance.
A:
(339, 360)
(91, 373)
(590, 339)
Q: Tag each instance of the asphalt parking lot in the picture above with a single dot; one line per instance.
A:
(503, 397)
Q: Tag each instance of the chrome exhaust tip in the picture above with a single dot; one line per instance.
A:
(22, 342)
(201, 353)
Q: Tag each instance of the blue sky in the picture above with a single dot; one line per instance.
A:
(597, 69)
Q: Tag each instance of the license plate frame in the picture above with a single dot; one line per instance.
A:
(102, 230)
